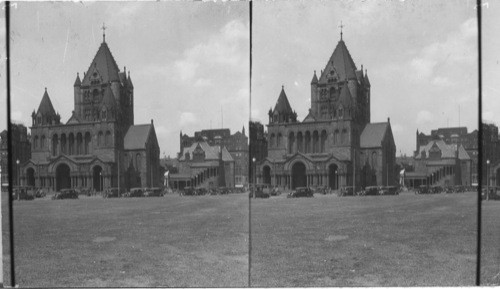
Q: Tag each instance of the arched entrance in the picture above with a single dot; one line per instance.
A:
(266, 174)
(63, 178)
(333, 170)
(30, 177)
(299, 175)
(97, 178)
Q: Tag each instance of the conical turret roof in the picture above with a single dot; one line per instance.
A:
(315, 78)
(78, 82)
(341, 62)
(46, 108)
(105, 65)
(282, 105)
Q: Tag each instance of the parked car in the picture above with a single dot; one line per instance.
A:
(423, 189)
(111, 193)
(389, 190)
(187, 191)
(371, 191)
(259, 193)
(153, 192)
(493, 194)
(301, 192)
(23, 193)
(135, 193)
(65, 194)
(40, 193)
(346, 191)
(275, 191)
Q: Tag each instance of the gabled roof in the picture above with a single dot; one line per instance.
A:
(309, 117)
(373, 135)
(45, 106)
(342, 62)
(137, 136)
(282, 105)
(105, 65)
(211, 152)
(73, 119)
(447, 150)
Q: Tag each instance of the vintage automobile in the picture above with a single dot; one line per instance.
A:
(40, 193)
(371, 191)
(112, 193)
(493, 193)
(423, 189)
(135, 193)
(153, 192)
(389, 190)
(436, 189)
(346, 191)
(301, 192)
(259, 193)
(23, 193)
(275, 191)
(188, 191)
(65, 194)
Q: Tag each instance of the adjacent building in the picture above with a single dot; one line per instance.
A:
(335, 144)
(21, 152)
(99, 146)
(236, 144)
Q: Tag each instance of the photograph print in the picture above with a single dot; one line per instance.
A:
(364, 147)
(130, 125)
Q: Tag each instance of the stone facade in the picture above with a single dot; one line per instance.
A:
(94, 148)
(335, 145)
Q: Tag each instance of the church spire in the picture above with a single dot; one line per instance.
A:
(341, 26)
(103, 33)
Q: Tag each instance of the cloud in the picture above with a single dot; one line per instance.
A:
(120, 18)
(397, 128)
(226, 49)
(203, 82)
(17, 116)
(443, 81)
(187, 118)
(458, 48)
(424, 116)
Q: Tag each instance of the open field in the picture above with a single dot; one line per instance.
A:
(5, 239)
(490, 243)
(170, 241)
(404, 240)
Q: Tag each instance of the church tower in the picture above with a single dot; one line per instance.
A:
(105, 93)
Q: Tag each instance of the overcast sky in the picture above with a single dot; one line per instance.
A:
(421, 58)
(189, 62)
(491, 62)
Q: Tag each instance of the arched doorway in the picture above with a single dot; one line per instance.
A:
(333, 170)
(63, 178)
(30, 177)
(299, 175)
(97, 178)
(266, 173)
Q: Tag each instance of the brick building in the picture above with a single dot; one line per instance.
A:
(335, 144)
(21, 151)
(236, 144)
(203, 165)
(99, 146)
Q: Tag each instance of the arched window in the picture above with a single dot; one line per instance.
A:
(343, 137)
(42, 141)
(336, 137)
(100, 139)
(55, 144)
(35, 142)
(291, 141)
(315, 142)
(300, 140)
(272, 140)
(307, 143)
(104, 114)
(79, 143)
(341, 112)
(71, 144)
(138, 161)
(87, 143)
(107, 139)
(323, 140)
(95, 94)
(63, 143)
(374, 159)
(278, 140)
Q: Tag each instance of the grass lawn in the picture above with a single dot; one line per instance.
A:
(5, 239)
(404, 240)
(170, 241)
(490, 243)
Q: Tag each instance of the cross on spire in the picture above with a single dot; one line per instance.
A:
(103, 32)
(341, 26)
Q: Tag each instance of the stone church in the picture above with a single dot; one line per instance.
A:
(335, 145)
(99, 146)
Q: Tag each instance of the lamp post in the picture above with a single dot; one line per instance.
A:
(17, 172)
(487, 180)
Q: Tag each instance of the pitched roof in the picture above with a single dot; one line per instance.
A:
(137, 136)
(447, 150)
(342, 62)
(105, 65)
(309, 117)
(345, 95)
(373, 134)
(282, 105)
(108, 99)
(315, 78)
(367, 81)
(211, 152)
(130, 80)
(46, 107)
(77, 80)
